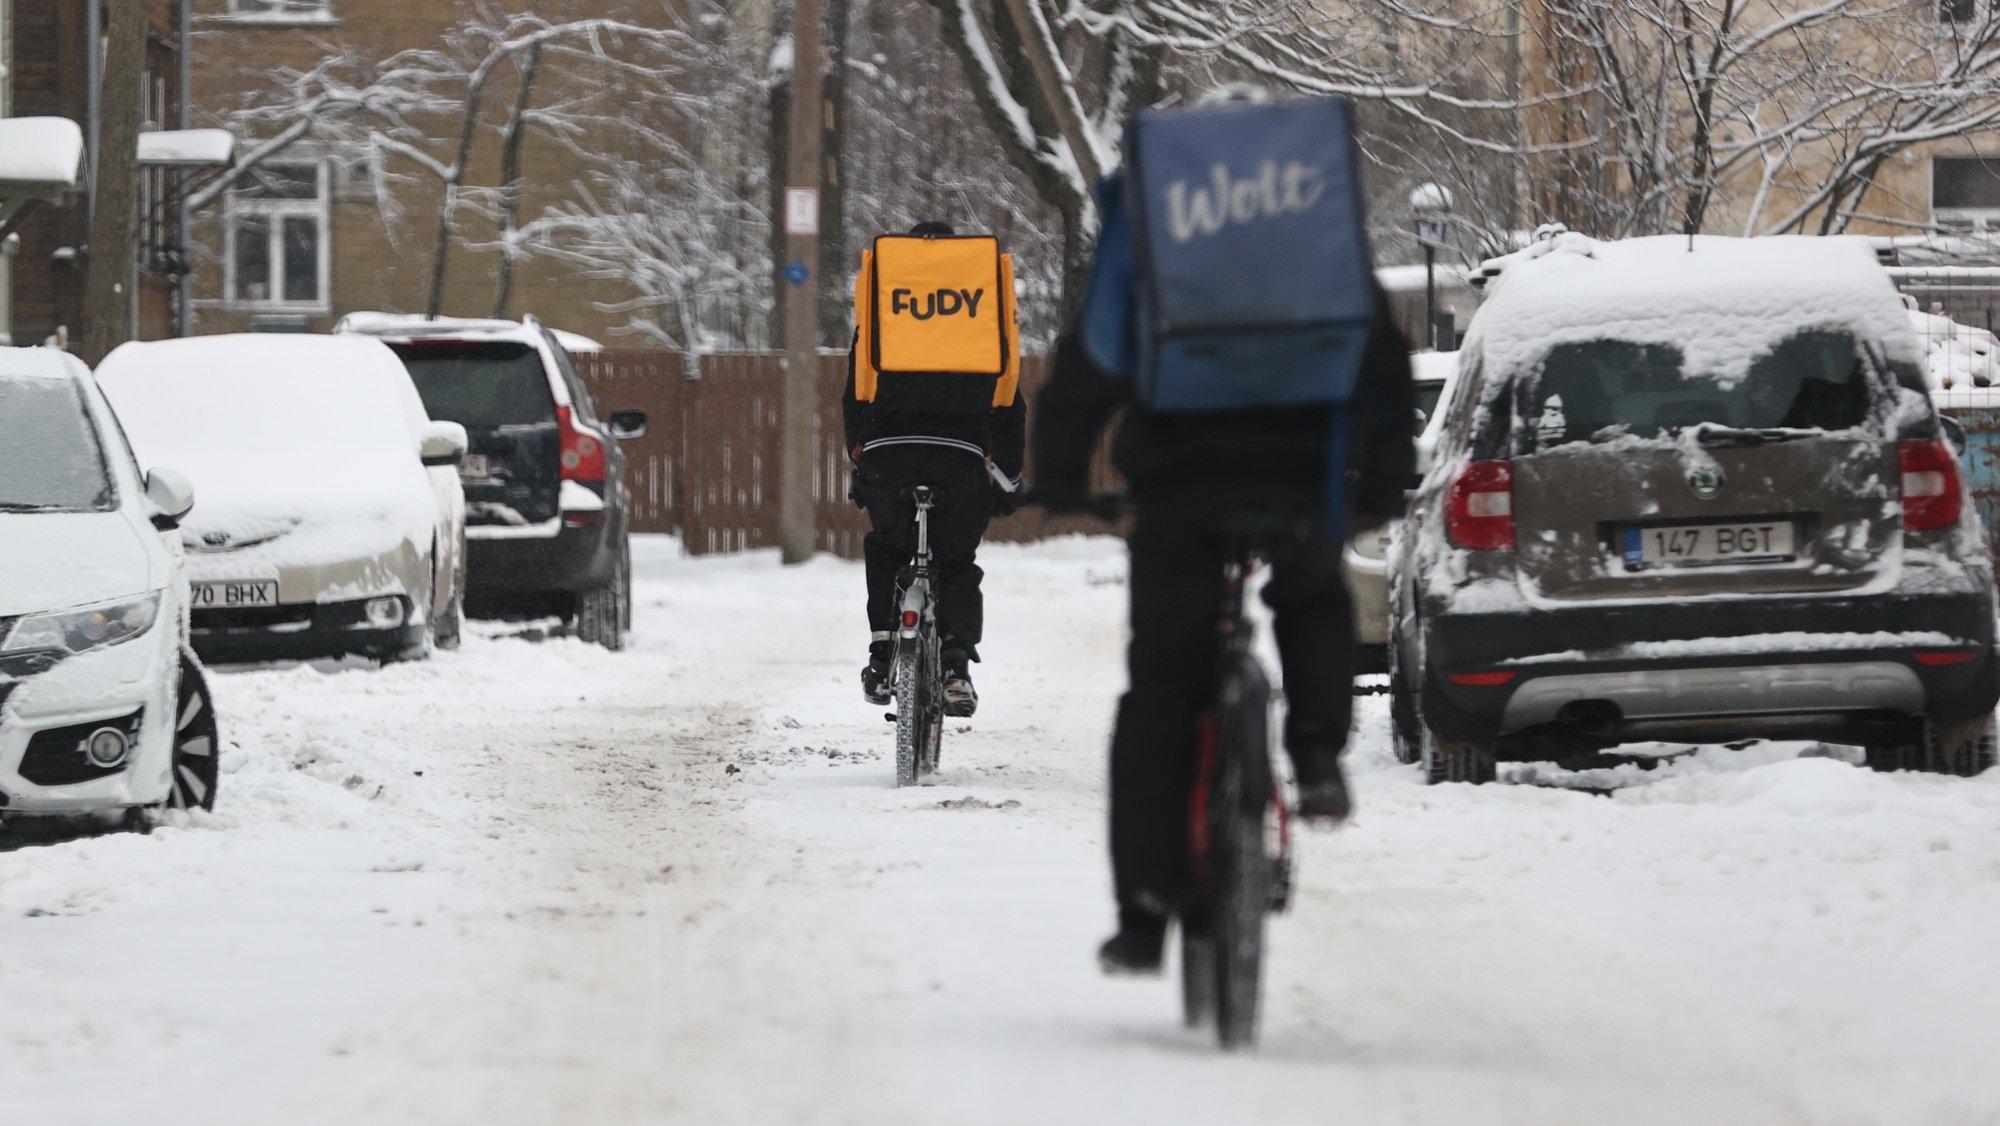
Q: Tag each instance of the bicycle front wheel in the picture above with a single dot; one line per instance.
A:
(1242, 864)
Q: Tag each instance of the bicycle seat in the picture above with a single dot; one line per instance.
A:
(921, 493)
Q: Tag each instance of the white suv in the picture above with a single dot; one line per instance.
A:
(102, 707)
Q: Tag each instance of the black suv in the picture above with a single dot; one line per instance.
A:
(545, 501)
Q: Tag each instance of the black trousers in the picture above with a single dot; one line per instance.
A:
(1175, 670)
(962, 508)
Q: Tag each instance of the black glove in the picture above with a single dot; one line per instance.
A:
(1006, 503)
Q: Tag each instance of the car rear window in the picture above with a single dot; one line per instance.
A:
(1600, 390)
(480, 384)
(54, 462)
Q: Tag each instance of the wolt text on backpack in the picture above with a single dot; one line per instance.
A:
(935, 324)
(1233, 270)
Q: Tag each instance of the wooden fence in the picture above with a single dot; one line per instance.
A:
(708, 467)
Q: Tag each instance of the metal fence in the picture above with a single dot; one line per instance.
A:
(708, 467)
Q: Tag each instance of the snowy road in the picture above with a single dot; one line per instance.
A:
(532, 882)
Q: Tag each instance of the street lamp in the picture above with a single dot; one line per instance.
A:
(1431, 203)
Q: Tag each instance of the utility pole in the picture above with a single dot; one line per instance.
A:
(798, 505)
(1040, 44)
(110, 270)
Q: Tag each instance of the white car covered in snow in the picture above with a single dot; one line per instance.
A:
(332, 521)
(101, 705)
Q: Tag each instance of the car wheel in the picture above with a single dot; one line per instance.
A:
(1964, 748)
(600, 613)
(448, 625)
(197, 758)
(1457, 760)
(626, 598)
(1405, 728)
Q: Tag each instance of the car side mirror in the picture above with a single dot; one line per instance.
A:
(171, 496)
(1954, 432)
(444, 443)
(628, 424)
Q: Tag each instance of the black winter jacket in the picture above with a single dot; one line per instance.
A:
(1000, 432)
(1225, 458)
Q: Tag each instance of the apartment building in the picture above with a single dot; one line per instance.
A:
(50, 67)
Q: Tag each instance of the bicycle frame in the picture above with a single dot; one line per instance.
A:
(919, 608)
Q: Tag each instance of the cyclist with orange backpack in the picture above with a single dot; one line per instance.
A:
(933, 398)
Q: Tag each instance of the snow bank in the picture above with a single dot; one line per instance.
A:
(40, 151)
(1722, 301)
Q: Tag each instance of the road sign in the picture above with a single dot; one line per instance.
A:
(1433, 233)
(797, 274)
(801, 211)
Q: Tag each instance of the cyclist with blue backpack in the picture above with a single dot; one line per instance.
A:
(1233, 311)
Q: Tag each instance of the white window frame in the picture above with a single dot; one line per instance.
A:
(319, 209)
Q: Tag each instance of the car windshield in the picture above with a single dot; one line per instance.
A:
(53, 460)
(1599, 390)
(480, 384)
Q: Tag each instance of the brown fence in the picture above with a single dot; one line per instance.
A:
(708, 467)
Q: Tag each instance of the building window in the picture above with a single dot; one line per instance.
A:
(1958, 11)
(275, 251)
(302, 10)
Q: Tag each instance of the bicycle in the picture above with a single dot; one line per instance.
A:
(1239, 825)
(916, 672)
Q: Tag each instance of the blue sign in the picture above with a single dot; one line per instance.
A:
(797, 274)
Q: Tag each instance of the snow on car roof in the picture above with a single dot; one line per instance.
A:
(1722, 301)
(257, 391)
(40, 151)
(405, 326)
(38, 363)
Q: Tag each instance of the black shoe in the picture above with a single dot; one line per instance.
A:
(1139, 947)
(1323, 793)
(875, 677)
(961, 700)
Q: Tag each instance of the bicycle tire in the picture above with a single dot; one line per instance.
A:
(1198, 980)
(906, 685)
(1242, 863)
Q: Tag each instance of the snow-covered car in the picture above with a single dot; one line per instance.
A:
(1366, 560)
(1696, 493)
(332, 521)
(547, 509)
(102, 706)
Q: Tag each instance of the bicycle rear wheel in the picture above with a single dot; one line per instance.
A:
(1241, 859)
(906, 680)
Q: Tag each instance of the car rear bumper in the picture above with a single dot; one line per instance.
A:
(573, 560)
(302, 631)
(1776, 667)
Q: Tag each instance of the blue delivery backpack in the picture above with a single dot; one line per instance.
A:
(1233, 269)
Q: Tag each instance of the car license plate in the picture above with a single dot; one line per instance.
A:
(1693, 545)
(212, 596)
(474, 466)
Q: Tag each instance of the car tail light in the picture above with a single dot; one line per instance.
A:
(1943, 658)
(1933, 494)
(1479, 508)
(1481, 679)
(582, 448)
